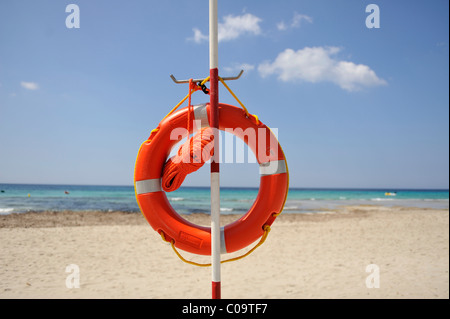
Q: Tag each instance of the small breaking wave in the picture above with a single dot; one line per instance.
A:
(6, 211)
(291, 208)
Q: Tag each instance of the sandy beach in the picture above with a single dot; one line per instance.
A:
(325, 255)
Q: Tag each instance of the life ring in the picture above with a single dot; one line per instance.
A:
(196, 239)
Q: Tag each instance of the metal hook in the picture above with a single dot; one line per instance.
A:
(230, 78)
(201, 80)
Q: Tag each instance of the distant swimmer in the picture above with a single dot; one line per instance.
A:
(66, 192)
(2, 191)
(390, 194)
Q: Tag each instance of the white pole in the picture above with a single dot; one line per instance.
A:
(213, 35)
(214, 118)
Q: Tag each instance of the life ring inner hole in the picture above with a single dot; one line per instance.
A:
(192, 201)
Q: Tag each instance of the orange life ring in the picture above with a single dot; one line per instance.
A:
(187, 236)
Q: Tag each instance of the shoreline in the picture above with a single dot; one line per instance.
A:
(69, 218)
(318, 255)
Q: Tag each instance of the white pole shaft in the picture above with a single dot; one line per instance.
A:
(213, 35)
(215, 181)
(215, 227)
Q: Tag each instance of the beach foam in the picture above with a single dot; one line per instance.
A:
(4, 211)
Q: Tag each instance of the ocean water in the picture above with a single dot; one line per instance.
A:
(20, 198)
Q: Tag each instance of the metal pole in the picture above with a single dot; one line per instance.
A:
(214, 117)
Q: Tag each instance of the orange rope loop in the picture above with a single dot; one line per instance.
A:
(190, 157)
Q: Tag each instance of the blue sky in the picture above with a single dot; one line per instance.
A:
(354, 107)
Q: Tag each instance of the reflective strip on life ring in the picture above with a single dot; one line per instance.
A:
(201, 114)
(196, 239)
(148, 186)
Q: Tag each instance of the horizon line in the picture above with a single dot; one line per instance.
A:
(240, 187)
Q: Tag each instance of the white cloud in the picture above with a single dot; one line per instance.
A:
(232, 28)
(298, 18)
(199, 37)
(296, 21)
(29, 85)
(235, 26)
(318, 64)
(282, 26)
(236, 68)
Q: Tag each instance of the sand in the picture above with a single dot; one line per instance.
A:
(325, 255)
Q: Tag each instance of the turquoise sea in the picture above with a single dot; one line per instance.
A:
(20, 198)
